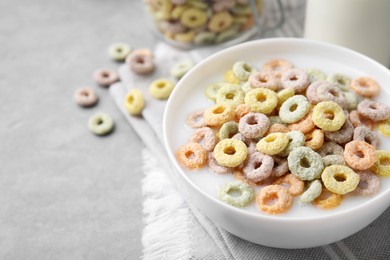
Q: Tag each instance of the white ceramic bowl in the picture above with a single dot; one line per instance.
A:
(301, 227)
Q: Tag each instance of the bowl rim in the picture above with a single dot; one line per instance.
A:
(216, 55)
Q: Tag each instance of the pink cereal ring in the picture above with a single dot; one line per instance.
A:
(280, 166)
(357, 120)
(311, 92)
(374, 110)
(369, 184)
(206, 137)
(344, 135)
(215, 167)
(296, 79)
(365, 134)
(264, 80)
(258, 167)
(85, 97)
(253, 125)
(140, 63)
(330, 92)
(366, 87)
(105, 77)
(196, 119)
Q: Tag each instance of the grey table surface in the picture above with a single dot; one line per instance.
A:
(65, 193)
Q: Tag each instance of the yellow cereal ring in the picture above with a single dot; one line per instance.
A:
(273, 143)
(218, 114)
(261, 100)
(193, 17)
(161, 88)
(328, 200)
(231, 94)
(186, 37)
(134, 102)
(284, 94)
(231, 78)
(230, 152)
(178, 11)
(340, 179)
(192, 156)
(384, 127)
(314, 139)
(382, 164)
(220, 22)
(328, 116)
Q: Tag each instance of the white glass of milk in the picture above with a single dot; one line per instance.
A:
(361, 25)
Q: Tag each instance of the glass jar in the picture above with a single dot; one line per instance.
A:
(193, 23)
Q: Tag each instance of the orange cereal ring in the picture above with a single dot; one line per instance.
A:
(305, 125)
(314, 139)
(359, 155)
(277, 67)
(240, 111)
(230, 152)
(218, 114)
(328, 200)
(366, 87)
(283, 199)
(295, 185)
(358, 119)
(277, 128)
(192, 156)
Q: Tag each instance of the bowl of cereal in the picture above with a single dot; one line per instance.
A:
(283, 142)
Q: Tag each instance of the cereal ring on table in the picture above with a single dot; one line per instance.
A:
(253, 125)
(264, 80)
(357, 120)
(366, 87)
(314, 139)
(228, 130)
(161, 88)
(196, 119)
(315, 74)
(231, 94)
(294, 109)
(374, 110)
(352, 100)
(240, 111)
(327, 200)
(305, 125)
(280, 166)
(100, 124)
(215, 167)
(340, 179)
(105, 77)
(230, 152)
(277, 128)
(363, 133)
(205, 38)
(227, 35)
(140, 63)
(220, 22)
(134, 102)
(284, 94)
(382, 163)
(242, 70)
(304, 163)
(369, 184)
(328, 92)
(313, 191)
(270, 193)
(328, 116)
(261, 100)
(119, 51)
(204, 136)
(277, 67)
(258, 167)
(218, 114)
(296, 139)
(295, 185)
(384, 127)
(296, 79)
(192, 156)
(331, 148)
(193, 17)
(273, 143)
(344, 135)
(181, 68)
(359, 155)
(85, 97)
(246, 193)
(212, 89)
(342, 81)
(333, 159)
(231, 78)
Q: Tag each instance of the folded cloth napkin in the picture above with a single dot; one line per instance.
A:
(177, 230)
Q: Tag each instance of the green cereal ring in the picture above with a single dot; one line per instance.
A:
(340, 179)
(261, 100)
(352, 100)
(204, 38)
(100, 124)
(304, 163)
(315, 74)
(161, 88)
(276, 120)
(246, 87)
(333, 159)
(119, 51)
(212, 89)
(228, 130)
(245, 197)
(193, 17)
(226, 35)
(273, 143)
(181, 68)
(230, 152)
(134, 102)
(218, 114)
(328, 116)
(284, 94)
(294, 109)
(381, 166)
(296, 139)
(342, 81)
(242, 70)
(314, 190)
(231, 94)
